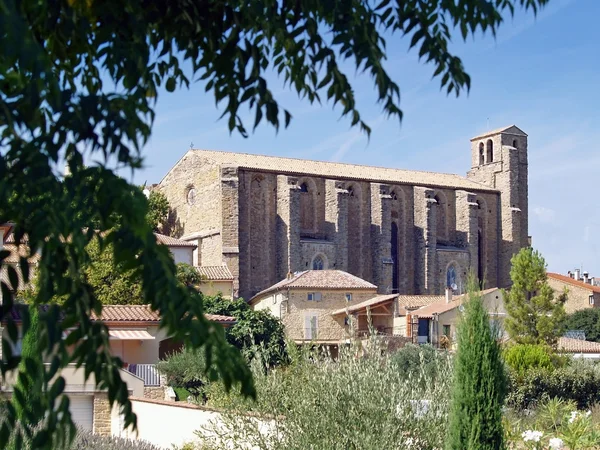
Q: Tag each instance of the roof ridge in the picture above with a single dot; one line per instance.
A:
(328, 162)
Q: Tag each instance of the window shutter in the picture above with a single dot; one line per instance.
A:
(307, 327)
(317, 296)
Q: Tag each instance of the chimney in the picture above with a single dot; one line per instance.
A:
(448, 295)
(289, 275)
(570, 274)
(577, 274)
(586, 277)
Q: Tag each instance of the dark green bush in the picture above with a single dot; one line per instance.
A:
(412, 358)
(579, 382)
(521, 358)
(186, 369)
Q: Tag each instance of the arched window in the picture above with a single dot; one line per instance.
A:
(441, 218)
(307, 208)
(318, 263)
(355, 229)
(395, 258)
(490, 151)
(515, 143)
(452, 277)
(481, 154)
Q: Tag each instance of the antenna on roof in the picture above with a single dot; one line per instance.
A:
(191, 145)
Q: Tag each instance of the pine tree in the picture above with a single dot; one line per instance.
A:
(534, 315)
(480, 382)
(29, 382)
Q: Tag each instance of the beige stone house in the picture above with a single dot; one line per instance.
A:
(305, 302)
(441, 318)
(406, 232)
(581, 293)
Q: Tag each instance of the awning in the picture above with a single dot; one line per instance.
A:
(130, 335)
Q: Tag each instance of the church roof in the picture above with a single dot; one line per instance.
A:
(320, 279)
(511, 129)
(334, 170)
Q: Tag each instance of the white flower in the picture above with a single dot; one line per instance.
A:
(531, 435)
(556, 443)
(573, 416)
(588, 413)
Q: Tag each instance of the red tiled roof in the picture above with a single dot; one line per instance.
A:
(570, 345)
(173, 242)
(215, 273)
(125, 313)
(573, 282)
(16, 251)
(418, 301)
(372, 302)
(320, 279)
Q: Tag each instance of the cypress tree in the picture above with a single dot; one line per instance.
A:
(480, 382)
(30, 380)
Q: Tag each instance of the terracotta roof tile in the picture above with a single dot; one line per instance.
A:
(573, 282)
(441, 306)
(372, 302)
(125, 313)
(16, 251)
(173, 242)
(418, 301)
(570, 345)
(215, 273)
(295, 166)
(320, 279)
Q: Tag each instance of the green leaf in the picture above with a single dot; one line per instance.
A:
(170, 84)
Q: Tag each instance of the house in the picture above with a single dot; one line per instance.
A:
(305, 302)
(136, 338)
(579, 348)
(431, 322)
(581, 292)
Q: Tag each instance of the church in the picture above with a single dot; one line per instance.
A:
(407, 232)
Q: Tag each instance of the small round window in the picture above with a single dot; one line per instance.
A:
(191, 196)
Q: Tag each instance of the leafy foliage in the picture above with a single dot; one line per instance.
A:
(188, 275)
(253, 329)
(158, 210)
(578, 382)
(522, 357)
(534, 315)
(479, 382)
(587, 320)
(414, 358)
(82, 77)
(186, 369)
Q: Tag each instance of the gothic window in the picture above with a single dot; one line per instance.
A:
(395, 258)
(318, 263)
(441, 218)
(481, 154)
(490, 151)
(451, 277)
(307, 208)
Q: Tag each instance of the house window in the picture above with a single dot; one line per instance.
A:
(591, 299)
(446, 330)
(348, 297)
(311, 327)
(314, 297)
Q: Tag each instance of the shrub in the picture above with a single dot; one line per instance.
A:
(85, 440)
(412, 358)
(348, 403)
(579, 382)
(522, 357)
(186, 369)
(587, 320)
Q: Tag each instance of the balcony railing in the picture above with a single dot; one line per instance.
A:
(147, 372)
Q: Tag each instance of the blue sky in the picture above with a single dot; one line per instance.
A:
(539, 73)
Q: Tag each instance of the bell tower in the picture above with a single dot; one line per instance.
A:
(499, 160)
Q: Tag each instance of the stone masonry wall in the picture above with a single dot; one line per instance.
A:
(102, 415)
(203, 175)
(154, 392)
(577, 298)
(329, 328)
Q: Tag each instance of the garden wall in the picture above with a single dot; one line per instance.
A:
(165, 423)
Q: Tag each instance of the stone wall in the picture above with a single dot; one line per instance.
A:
(154, 392)
(577, 298)
(102, 415)
(329, 328)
